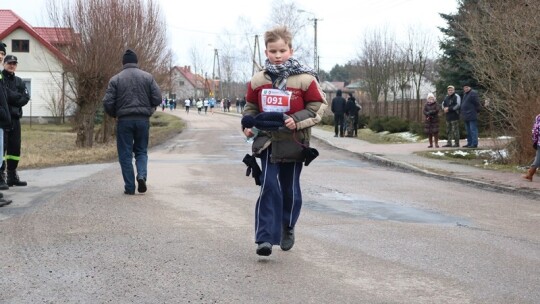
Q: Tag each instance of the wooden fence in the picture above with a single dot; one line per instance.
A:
(408, 109)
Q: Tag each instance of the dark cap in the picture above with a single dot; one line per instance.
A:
(10, 58)
(129, 57)
(3, 47)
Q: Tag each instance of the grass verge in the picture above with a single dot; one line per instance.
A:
(54, 145)
(372, 137)
(483, 158)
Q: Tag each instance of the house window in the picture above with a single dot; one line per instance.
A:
(28, 84)
(20, 46)
(181, 83)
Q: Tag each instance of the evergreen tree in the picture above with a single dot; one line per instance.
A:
(454, 69)
(339, 73)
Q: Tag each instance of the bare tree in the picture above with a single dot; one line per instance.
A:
(504, 47)
(419, 49)
(376, 57)
(402, 75)
(102, 30)
(287, 13)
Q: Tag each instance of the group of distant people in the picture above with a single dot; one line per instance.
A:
(168, 103)
(346, 115)
(454, 108)
(13, 97)
(206, 103)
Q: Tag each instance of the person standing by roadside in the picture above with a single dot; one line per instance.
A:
(242, 104)
(282, 152)
(338, 108)
(431, 123)
(470, 107)
(132, 97)
(451, 105)
(536, 140)
(351, 110)
(5, 122)
(17, 98)
(228, 105)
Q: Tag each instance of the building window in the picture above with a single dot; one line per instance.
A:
(181, 83)
(20, 46)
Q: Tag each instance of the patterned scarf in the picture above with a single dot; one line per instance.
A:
(289, 67)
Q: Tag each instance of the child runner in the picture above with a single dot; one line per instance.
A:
(286, 86)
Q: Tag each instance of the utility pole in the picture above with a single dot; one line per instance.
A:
(315, 53)
(256, 52)
(216, 59)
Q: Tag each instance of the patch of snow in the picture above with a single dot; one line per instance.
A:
(408, 136)
(460, 152)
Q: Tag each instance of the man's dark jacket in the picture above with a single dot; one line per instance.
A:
(451, 102)
(470, 106)
(5, 116)
(338, 105)
(132, 94)
(17, 95)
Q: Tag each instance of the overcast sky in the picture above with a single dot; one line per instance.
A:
(340, 26)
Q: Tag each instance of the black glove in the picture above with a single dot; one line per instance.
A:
(535, 146)
(253, 168)
(310, 154)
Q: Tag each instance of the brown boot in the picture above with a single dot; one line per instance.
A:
(530, 173)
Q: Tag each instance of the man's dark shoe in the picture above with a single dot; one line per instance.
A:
(287, 238)
(141, 185)
(466, 146)
(13, 179)
(129, 193)
(3, 185)
(3, 178)
(473, 147)
(264, 249)
(4, 202)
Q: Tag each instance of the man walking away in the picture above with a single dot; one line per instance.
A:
(132, 97)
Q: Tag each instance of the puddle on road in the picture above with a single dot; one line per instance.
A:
(375, 210)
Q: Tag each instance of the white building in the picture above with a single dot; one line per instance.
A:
(39, 64)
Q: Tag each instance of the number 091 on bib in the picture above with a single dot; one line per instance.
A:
(274, 100)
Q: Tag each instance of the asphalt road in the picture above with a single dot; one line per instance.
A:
(367, 234)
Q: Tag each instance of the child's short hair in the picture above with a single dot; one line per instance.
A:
(276, 33)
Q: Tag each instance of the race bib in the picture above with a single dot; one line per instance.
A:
(274, 100)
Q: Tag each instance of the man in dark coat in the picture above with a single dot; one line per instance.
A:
(470, 107)
(451, 105)
(338, 108)
(18, 97)
(132, 97)
(351, 111)
(5, 121)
